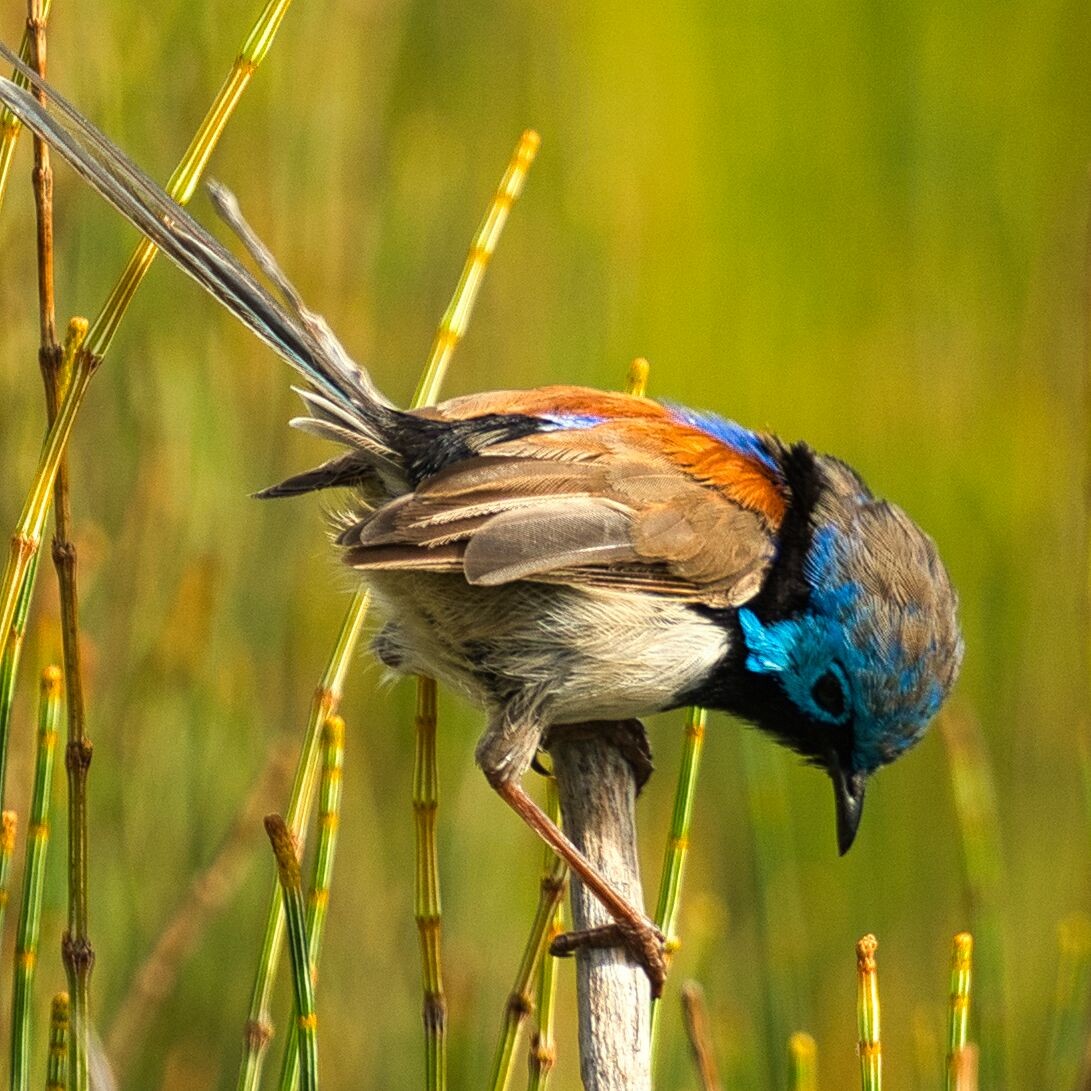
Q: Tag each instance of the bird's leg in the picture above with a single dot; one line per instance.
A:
(504, 753)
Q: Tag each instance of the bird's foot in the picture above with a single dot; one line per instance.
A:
(642, 939)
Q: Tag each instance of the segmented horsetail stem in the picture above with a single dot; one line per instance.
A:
(428, 912)
(520, 1002)
(56, 1072)
(290, 877)
(428, 909)
(958, 1010)
(802, 1062)
(329, 819)
(9, 824)
(543, 1044)
(452, 326)
(30, 912)
(699, 1034)
(674, 860)
(181, 185)
(867, 1014)
(9, 667)
(977, 813)
(1067, 1038)
(326, 701)
(10, 125)
(259, 1027)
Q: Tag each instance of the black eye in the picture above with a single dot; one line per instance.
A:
(829, 694)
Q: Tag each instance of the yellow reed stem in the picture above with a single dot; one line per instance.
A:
(453, 325)
(802, 1062)
(27, 536)
(958, 1011)
(867, 1014)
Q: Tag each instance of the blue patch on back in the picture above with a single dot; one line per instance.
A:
(557, 422)
(727, 431)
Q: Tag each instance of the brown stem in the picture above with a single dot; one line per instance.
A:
(78, 954)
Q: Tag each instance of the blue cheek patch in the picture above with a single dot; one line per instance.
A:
(770, 646)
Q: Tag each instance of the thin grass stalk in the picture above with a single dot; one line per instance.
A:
(958, 1008)
(543, 1045)
(290, 877)
(329, 819)
(30, 912)
(867, 1015)
(802, 1062)
(1067, 1036)
(699, 1035)
(26, 538)
(259, 1027)
(520, 1002)
(979, 829)
(10, 125)
(677, 850)
(428, 907)
(9, 824)
(56, 1072)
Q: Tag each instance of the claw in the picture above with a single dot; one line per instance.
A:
(643, 940)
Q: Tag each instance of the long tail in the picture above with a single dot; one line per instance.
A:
(343, 391)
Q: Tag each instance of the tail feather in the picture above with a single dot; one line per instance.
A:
(308, 345)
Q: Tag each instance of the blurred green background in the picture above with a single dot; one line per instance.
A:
(860, 224)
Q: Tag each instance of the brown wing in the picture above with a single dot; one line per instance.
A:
(599, 512)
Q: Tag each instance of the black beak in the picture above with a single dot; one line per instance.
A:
(848, 794)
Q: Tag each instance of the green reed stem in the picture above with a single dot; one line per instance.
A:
(329, 819)
(543, 1045)
(802, 1062)
(9, 669)
(259, 1028)
(56, 1073)
(1068, 1034)
(867, 1015)
(699, 1035)
(326, 701)
(290, 877)
(9, 824)
(428, 908)
(30, 912)
(26, 538)
(979, 828)
(958, 1009)
(677, 851)
(520, 1001)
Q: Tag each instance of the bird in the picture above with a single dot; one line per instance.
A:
(564, 554)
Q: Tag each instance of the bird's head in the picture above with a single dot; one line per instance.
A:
(853, 643)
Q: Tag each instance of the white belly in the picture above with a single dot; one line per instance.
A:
(581, 653)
